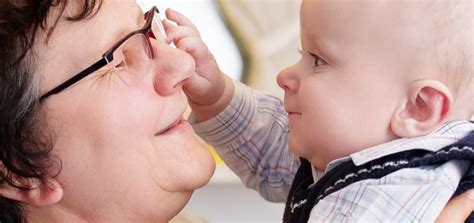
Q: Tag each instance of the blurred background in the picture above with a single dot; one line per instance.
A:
(252, 40)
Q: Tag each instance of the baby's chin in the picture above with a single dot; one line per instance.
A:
(296, 146)
(309, 153)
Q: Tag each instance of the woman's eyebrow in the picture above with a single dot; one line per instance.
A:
(122, 31)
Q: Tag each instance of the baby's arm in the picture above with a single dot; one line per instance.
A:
(248, 129)
(251, 137)
(210, 91)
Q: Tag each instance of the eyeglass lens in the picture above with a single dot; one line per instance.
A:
(157, 27)
(133, 59)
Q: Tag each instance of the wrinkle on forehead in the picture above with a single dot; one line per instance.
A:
(75, 45)
(127, 17)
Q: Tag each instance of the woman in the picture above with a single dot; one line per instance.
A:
(109, 145)
(91, 115)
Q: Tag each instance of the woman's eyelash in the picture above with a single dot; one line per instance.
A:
(120, 64)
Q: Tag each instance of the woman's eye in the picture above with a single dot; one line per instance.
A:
(121, 64)
(318, 61)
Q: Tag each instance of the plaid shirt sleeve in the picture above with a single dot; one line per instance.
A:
(251, 137)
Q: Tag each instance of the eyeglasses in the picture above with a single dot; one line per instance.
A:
(131, 57)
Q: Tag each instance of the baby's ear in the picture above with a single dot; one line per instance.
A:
(43, 193)
(427, 105)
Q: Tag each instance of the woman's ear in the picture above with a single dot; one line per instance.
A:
(40, 193)
(427, 105)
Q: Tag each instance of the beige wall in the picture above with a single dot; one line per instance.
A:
(267, 32)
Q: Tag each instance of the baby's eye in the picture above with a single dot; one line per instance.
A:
(318, 61)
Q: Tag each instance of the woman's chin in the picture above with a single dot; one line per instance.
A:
(211, 167)
(202, 166)
(203, 171)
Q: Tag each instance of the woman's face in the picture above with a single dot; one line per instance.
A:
(116, 160)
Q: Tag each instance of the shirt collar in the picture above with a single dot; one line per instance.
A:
(445, 135)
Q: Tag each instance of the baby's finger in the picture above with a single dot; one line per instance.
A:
(167, 25)
(195, 47)
(178, 18)
(180, 32)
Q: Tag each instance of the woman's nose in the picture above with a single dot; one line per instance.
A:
(173, 67)
(288, 79)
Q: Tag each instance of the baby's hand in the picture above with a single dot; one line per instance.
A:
(207, 87)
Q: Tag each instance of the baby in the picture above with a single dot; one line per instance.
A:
(376, 112)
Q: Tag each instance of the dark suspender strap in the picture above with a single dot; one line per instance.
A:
(299, 190)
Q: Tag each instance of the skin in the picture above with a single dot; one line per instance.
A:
(458, 209)
(376, 78)
(114, 167)
(354, 71)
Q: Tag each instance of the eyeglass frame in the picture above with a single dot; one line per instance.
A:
(108, 57)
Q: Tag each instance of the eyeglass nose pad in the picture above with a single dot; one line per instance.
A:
(151, 35)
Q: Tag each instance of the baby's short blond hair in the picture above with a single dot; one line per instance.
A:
(454, 45)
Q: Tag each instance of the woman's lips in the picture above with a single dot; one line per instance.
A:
(175, 126)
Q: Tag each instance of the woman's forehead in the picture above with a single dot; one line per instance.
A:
(120, 11)
(81, 43)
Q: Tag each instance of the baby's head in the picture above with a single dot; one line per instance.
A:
(374, 71)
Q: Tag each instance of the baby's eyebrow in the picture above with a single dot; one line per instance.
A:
(323, 47)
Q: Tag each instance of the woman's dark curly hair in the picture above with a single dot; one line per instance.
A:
(24, 149)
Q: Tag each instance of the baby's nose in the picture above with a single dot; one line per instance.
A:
(287, 79)
(174, 66)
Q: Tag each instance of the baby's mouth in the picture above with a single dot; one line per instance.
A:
(294, 113)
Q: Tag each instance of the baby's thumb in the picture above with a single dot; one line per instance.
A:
(203, 92)
(194, 88)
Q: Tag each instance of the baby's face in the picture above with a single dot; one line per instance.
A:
(357, 60)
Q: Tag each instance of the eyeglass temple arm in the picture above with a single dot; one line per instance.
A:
(97, 65)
